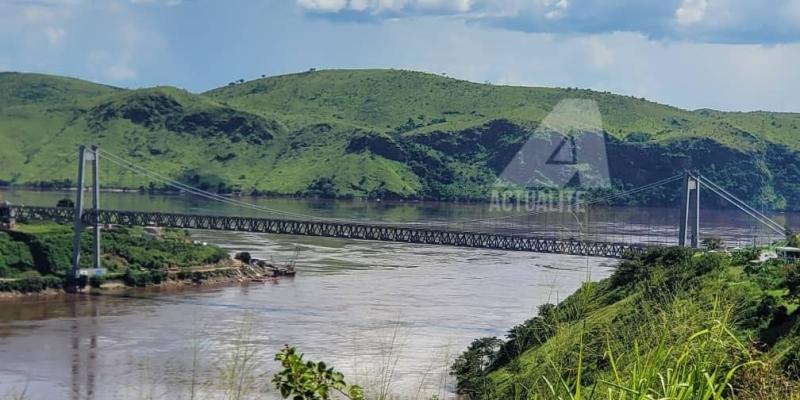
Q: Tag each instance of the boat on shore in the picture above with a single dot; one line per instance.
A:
(271, 271)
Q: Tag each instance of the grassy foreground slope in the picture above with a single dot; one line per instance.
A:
(382, 133)
(669, 324)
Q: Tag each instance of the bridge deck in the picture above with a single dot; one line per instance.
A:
(333, 229)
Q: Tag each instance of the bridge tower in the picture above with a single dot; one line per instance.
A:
(690, 211)
(83, 156)
(7, 217)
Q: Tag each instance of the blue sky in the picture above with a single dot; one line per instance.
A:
(724, 54)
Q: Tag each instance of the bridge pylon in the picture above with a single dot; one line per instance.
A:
(84, 155)
(689, 231)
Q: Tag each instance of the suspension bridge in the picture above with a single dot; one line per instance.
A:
(509, 232)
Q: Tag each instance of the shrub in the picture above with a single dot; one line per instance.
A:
(31, 282)
(309, 380)
(323, 187)
(712, 243)
(96, 281)
(136, 278)
(80, 281)
(30, 285)
(531, 333)
(66, 203)
(472, 366)
(52, 253)
(791, 279)
(629, 272)
(705, 263)
(14, 255)
(52, 282)
(794, 240)
(29, 275)
(744, 256)
(158, 276)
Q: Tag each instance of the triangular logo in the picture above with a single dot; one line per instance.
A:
(568, 149)
(566, 153)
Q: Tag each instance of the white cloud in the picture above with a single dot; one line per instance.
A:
(793, 10)
(105, 41)
(121, 72)
(458, 6)
(709, 21)
(158, 2)
(358, 5)
(376, 7)
(684, 74)
(127, 44)
(324, 5)
(38, 14)
(130, 43)
(600, 55)
(558, 8)
(54, 34)
(691, 12)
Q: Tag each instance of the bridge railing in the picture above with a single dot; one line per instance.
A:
(337, 229)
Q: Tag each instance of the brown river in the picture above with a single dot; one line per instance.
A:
(391, 316)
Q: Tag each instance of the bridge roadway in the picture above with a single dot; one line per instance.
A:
(333, 229)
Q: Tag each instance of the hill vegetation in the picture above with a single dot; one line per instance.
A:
(36, 256)
(669, 324)
(372, 133)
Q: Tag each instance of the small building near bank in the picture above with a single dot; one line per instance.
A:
(788, 253)
(92, 271)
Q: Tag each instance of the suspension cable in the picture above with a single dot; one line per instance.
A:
(756, 217)
(587, 202)
(199, 192)
(710, 183)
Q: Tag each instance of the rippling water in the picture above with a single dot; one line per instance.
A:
(346, 303)
(361, 306)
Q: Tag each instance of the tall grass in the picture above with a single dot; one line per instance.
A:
(239, 376)
(679, 349)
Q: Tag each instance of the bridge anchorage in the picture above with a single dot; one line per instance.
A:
(282, 222)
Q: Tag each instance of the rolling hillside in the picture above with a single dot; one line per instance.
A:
(379, 133)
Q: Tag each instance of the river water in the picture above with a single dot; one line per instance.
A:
(391, 316)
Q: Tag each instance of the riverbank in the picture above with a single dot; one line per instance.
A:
(218, 275)
(671, 323)
(35, 257)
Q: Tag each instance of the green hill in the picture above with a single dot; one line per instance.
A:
(381, 133)
(21, 89)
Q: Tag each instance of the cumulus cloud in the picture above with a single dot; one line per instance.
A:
(159, 2)
(685, 74)
(714, 21)
(36, 14)
(388, 8)
(326, 5)
(691, 11)
(54, 34)
(121, 72)
(107, 40)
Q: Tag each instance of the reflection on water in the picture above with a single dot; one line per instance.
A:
(349, 300)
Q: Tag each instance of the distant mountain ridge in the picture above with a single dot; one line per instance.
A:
(372, 133)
